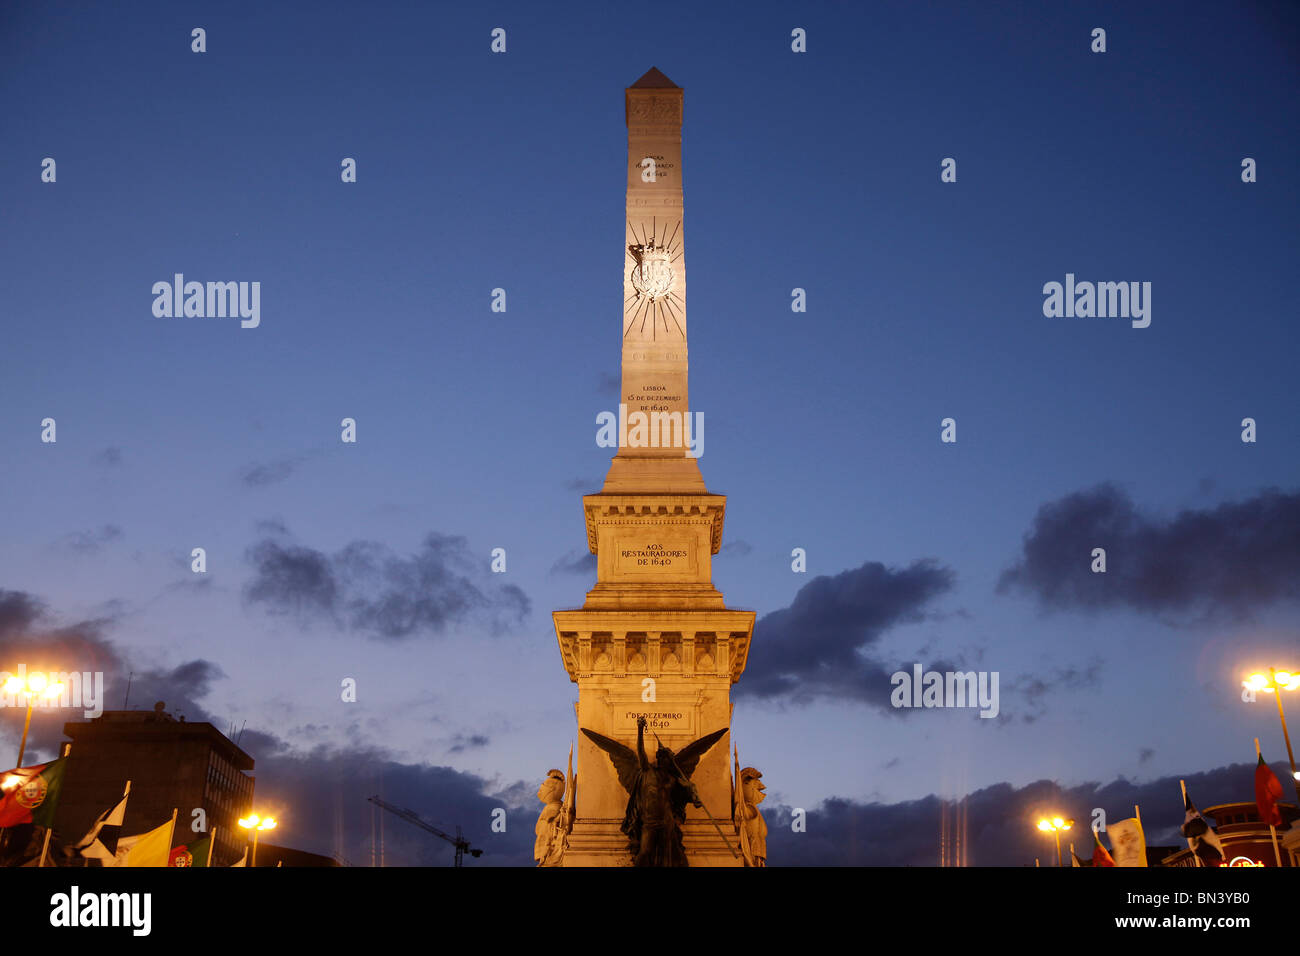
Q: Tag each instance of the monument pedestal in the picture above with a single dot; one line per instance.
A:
(653, 640)
(601, 843)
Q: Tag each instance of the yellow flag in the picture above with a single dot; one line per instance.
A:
(1128, 843)
(152, 848)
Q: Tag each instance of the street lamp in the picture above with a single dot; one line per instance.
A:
(1274, 683)
(1055, 825)
(35, 686)
(257, 825)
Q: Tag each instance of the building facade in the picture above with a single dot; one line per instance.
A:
(170, 763)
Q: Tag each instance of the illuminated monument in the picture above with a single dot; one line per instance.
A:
(654, 639)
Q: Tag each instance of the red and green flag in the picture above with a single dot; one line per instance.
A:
(31, 794)
(1100, 855)
(191, 854)
(1267, 791)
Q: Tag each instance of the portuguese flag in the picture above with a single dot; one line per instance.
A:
(1100, 856)
(1267, 791)
(31, 794)
(191, 854)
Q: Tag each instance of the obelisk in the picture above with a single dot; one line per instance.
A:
(654, 637)
(654, 293)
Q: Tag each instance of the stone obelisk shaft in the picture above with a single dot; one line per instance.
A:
(654, 380)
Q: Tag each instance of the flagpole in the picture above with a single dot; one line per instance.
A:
(171, 836)
(1272, 830)
(212, 844)
(48, 830)
(1281, 714)
(1183, 785)
(1137, 815)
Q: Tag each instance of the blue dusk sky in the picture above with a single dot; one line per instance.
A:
(476, 429)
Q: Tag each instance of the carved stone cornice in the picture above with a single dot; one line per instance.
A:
(654, 510)
(727, 631)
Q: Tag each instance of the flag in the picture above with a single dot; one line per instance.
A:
(1128, 842)
(243, 860)
(124, 845)
(100, 843)
(31, 794)
(1099, 855)
(1074, 857)
(1267, 790)
(147, 849)
(1204, 841)
(191, 854)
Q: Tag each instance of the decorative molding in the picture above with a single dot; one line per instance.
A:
(654, 509)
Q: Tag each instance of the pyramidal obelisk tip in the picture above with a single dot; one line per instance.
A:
(654, 80)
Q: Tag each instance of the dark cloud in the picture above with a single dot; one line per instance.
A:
(321, 801)
(1000, 821)
(1236, 556)
(461, 743)
(575, 562)
(91, 542)
(1033, 690)
(292, 579)
(584, 485)
(109, 457)
(370, 590)
(737, 548)
(1145, 755)
(816, 646)
(180, 688)
(262, 474)
(18, 612)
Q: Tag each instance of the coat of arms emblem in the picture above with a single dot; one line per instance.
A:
(652, 277)
(31, 793)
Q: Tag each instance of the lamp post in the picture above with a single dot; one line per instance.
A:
(1055, 825)
(1274, 683)
(257, 825)
(36, 685)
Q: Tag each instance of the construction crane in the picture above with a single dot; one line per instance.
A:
(459, 842)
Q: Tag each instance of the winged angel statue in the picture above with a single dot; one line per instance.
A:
(657, 793)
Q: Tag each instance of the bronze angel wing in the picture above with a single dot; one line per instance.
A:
(689, 756)
(622, 757)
